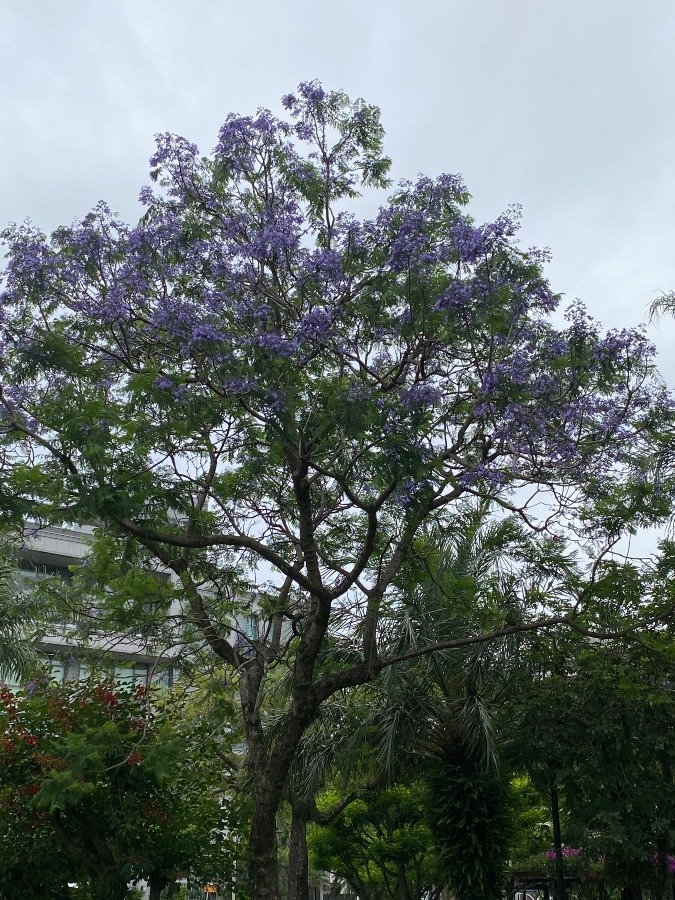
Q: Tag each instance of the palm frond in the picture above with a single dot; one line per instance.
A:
(663, 305)
(18, 616)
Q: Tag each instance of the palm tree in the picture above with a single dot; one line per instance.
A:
(478, 574)
(433, 712)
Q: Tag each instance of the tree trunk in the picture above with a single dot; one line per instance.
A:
(263, 852)
(298, 863)
(269, 767)
(403, 883)
(557, 841)
(157, 885)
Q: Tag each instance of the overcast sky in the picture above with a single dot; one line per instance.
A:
(564, 106)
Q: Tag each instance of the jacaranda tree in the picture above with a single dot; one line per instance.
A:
(269, 397)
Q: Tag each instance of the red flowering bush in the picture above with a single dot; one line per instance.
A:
(104, 774)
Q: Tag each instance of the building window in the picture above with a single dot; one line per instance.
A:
(163, 677)
(57, 670)
(87, 672)
(30, 572)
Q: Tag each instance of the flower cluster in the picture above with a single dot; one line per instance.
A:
(250, 302)
(658, 859)
(567, 852)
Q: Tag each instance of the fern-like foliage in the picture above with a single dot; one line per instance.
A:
(470, 818)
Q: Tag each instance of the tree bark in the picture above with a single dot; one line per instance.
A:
(263, 852)
(403, 883)
(270, 764)
(267, 785)
(298, 862)
(157, 885)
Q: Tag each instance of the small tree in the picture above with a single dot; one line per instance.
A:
(380, 844)
(598, 722)
(254, 387)
(112, 784)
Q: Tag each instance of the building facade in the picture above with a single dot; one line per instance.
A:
(72, 649)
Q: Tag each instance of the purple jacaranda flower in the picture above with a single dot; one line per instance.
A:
(277, 344)
(238, 282)
(312, 91)
(469, 240)
(243, 385)
(457, 296)
(315, 325)
(420, 396)
(146, 195)
(205, 332)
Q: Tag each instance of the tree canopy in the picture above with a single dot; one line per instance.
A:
(98, 786)
(598, 719)
(268, 397)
